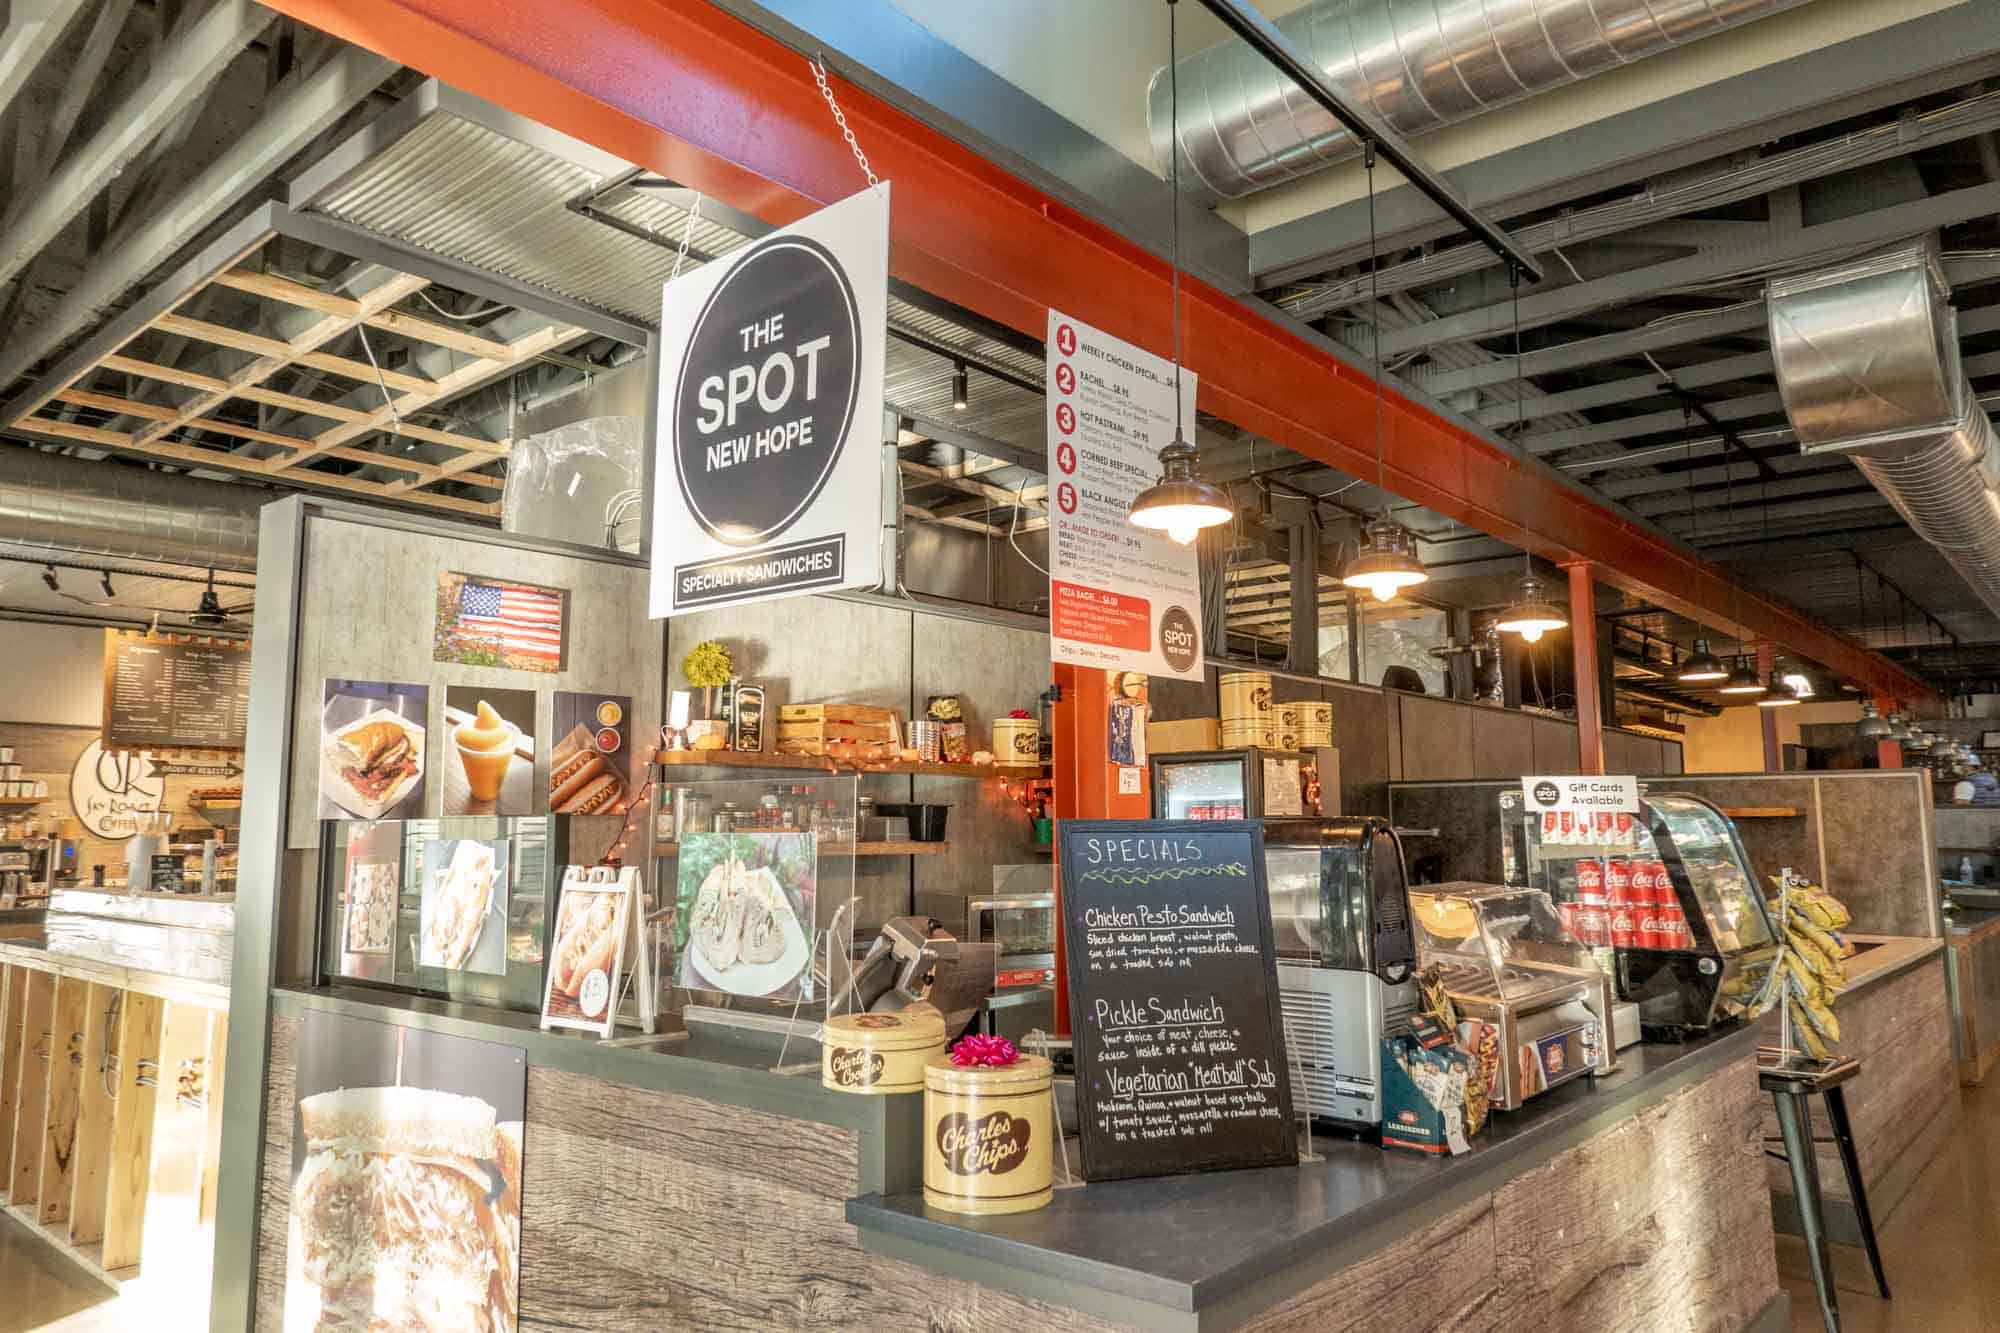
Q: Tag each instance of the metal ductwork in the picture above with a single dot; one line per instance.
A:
(110, 510)
(1418, 64)
(1868, 365)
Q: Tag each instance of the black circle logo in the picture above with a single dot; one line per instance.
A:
(767, 391)
(1547, 793)
(1178, 639)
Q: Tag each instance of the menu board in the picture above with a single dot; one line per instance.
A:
(162, 693)
(1173, 998)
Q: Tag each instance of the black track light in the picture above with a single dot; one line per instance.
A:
(49, 577)
(104, 582)
(961, 385)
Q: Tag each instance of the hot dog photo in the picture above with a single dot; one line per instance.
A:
(590, 767)
(584, 964)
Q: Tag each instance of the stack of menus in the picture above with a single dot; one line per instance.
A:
(1173, 998)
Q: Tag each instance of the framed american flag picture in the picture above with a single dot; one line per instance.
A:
(494, 622)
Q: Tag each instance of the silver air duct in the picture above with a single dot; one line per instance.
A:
(110, 510)
(1418, 63)
(1868, 365)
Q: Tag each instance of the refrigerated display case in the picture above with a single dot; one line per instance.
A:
(1524, 987)
(1340, 923)
(1666, 898)
(1250, 783)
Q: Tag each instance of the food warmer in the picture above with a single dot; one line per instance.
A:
(1516, 975)
(1666, 899)
(1340, 920)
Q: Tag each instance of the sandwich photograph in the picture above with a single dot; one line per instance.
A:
(372, 749)
(590, 765)
(463, 913)
(489, 748)
(745, 913)
(406, 1180)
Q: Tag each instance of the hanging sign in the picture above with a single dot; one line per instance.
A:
(1120, 597)
(1173, 985)
(767, 466)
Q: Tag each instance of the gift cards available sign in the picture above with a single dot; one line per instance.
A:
(1588, 794)
(767, 468)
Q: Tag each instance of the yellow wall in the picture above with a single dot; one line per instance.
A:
(1734, 742)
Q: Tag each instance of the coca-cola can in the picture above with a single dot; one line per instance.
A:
(1618, 881)
(1624, 928)
(1571, 914)
(1593, 926)
(1590, 883)
(1663, 884)
(1642, 881)
(1653, 932)
(1680, 935)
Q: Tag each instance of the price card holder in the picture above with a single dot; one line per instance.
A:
(594, 930)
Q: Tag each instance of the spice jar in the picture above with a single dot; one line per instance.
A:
(988, 1139)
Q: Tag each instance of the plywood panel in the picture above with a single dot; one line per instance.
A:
(94, 1120)
(211, 1137)
(1437, 739)
(65, 1076)
(36, 1014)
(128, 1173)
(12, 982)
(1555, 746)
(1875, 859)
(1503, 743)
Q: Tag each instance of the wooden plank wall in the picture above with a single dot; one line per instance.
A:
(94, 1121)
(29, 1117)
(128, 1173)
(647, 1211)
(65, 1080)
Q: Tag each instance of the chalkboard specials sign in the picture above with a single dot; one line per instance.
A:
(1173, 997)
(172, 693)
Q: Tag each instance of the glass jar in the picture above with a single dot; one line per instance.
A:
(767, 810)
(697, 814)
(726, 818)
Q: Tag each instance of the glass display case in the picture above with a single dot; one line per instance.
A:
(1666, 899)
(1525, 988)
(1251, 783)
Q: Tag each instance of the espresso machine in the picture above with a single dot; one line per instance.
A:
(1340, 920)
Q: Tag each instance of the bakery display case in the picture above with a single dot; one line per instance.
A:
(1252, 783)
(1666, 899)
(1523, 986)
(1340, 923)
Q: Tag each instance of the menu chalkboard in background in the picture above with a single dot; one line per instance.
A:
(1173, 998)
(163, 693)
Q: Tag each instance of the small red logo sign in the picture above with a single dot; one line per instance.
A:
(1066, 497)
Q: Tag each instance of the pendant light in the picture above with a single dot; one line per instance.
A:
(1701, 667)
(1387, 562)
(1530, 614)
(1180, 504)
(1871, 727)
(1779, 693)
(1899, 728)
(1743, 680)
(1920, 740)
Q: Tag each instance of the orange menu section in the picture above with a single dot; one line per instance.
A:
(1093, 615)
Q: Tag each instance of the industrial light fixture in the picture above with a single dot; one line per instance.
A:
(1530, 614)
(1743, 680)
(1871, 727)
(1701, 667)
(1387, 562)
(1920, 741)
(961, 386)
(1180, 504)
(1899, 728)
(1802, 686)
(104, 582)
(49, 577)
(1778, 694)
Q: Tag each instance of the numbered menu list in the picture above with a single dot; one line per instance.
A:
(1173, 999)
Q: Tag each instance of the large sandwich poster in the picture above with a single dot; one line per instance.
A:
(768, 459)
(406, 1180)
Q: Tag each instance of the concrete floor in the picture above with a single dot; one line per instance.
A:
(1940, 1248)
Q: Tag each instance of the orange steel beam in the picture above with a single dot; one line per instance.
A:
(1583, 664)
(1888, 753)
(683, 89)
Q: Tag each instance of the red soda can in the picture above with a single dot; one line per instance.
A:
(1663, 885)
(1642, 882)
(1571, 916)
(1677, 922)
(1590, 883)
(1624, 928)
(1653, 931)
(1618, 882)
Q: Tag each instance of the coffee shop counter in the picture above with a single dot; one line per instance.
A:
(1633, 1201)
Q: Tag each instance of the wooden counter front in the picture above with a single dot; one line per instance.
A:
(1974, 939)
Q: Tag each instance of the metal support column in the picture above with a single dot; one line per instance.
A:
(1583, 667)
(1767, 660)
(1303, 655)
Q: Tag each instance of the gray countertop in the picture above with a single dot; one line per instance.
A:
(1191, 1251)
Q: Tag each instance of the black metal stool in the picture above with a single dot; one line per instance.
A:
(1790, 1084)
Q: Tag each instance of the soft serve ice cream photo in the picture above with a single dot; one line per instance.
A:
(490, 751)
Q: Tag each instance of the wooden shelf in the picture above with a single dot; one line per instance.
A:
(805, 763)
(22, 802)
(1761, 812)
(841, 849)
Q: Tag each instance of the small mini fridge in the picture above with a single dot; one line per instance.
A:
(1250, 783)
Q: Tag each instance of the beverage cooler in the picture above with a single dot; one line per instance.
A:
(1250, 783)
(1527, 993)
(1340, 922)
(1666, 898)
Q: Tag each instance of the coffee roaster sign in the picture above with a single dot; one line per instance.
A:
(1120, 597)
(1589, 794)
(1173, 996)
(768, 462)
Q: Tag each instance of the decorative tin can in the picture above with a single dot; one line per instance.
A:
(1288, 725)
(988, 1140)
(1237, 733)
(1315, 725)
(927, 739)
(880, 1053)
(1246, 696)
(1016, 740)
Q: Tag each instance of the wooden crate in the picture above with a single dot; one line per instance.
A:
(838, 730)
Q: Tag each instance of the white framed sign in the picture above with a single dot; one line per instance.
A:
(1585, 794)
(767, 465)
(1120, 597)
